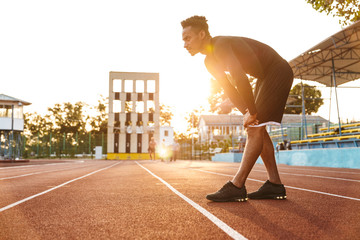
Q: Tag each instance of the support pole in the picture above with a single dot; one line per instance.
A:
(192, 138)
(90, 152)
(64, 143)
(1, 148)
(337, 103)
(37, 145)
(282, 132)
(77, 143)
(12, 133)
(331, 83)
(102, 142)
(50, 140)
(303, 119)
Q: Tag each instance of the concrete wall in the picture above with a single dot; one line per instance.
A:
(337, 157)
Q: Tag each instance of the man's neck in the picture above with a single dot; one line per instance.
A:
(208, 47)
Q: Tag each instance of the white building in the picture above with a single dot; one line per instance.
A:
(167, 134)
(11, 113)
(218, 127)
(134, 113)
(11, 126)
(222, 126)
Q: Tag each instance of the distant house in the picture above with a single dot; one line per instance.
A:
(11, 126)
(166, 135)
(11, 113)
(219, 127)
(222, 126)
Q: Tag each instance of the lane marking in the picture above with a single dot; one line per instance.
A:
(35, 173)
(56, 187)
(223, 226)
(296, 188)
(315, 176)
(305, 175)
(318, 170)
(39, 165)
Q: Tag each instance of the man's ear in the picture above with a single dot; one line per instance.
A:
(202, 34)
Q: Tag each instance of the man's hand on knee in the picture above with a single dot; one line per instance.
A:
(250, 120)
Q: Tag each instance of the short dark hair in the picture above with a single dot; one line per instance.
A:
(197, 22)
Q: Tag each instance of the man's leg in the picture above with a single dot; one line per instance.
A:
(272, 188)
(253, 149)
(268, 157)
(235, 190)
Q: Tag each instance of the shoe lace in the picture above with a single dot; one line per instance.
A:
(263, 187)
(224, 187)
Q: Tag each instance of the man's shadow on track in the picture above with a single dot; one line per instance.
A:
(254, 212)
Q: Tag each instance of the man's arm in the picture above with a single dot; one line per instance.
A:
(224, 55)
(229, 89)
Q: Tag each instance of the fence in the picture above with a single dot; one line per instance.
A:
(72, 145)
(62, 145)
(197, 151)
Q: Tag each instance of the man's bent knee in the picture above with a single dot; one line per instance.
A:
(251, 131)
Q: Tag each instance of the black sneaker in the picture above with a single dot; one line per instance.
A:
(229, 193)
(269, 191)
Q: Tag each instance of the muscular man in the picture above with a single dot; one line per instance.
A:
(229, 59)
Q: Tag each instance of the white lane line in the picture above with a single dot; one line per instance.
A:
(296, 188)
(306, 175)
(315, 176)
(318, 170)
(35, 173)
(39, 165)
(51, 189)
(30, 174)
(223, 226)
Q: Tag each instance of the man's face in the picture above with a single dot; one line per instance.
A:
(193, 40)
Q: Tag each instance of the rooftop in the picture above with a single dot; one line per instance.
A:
(7, 99)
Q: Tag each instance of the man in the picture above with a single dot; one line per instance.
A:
(151, 149)
(175, 150)
(229, 59)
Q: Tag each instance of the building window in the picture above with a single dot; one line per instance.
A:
(139, 107)
(116, 106)
(166, 133)
(150, 86)
(129, 106)
(129, 85)
(150, 106)
(139, 86)
(117, 85)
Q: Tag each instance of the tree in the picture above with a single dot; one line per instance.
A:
(182, 137)
(347, 10)
(69, 118)
(66, 128)
(312, 96)
(35, 124)
(36, 128)
(99, 121)
(165, 115)
(193, 118)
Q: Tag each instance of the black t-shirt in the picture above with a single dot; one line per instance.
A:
(240, 56)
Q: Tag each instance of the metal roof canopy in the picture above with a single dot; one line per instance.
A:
(333, 62)
(7, 99)
(335, 58)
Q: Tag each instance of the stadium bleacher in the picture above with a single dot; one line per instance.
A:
(330, 137)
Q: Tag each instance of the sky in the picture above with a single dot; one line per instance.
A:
(62, 51)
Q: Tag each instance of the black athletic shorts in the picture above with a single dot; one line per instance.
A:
(271, 93)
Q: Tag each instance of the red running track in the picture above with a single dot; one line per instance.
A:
(90, 199)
